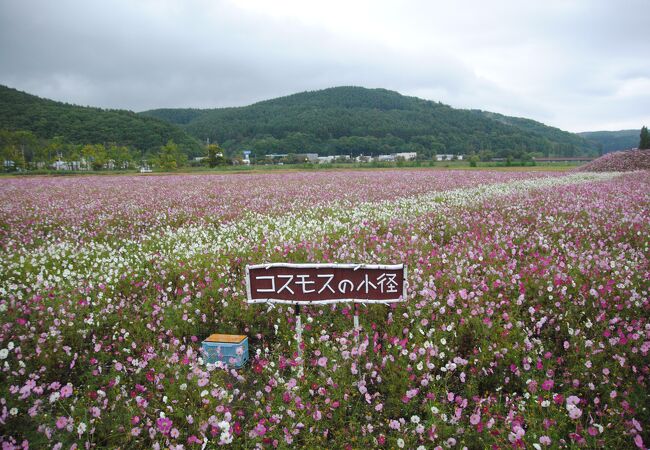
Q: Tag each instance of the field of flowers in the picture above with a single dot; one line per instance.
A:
(527, 322)
(621, 161)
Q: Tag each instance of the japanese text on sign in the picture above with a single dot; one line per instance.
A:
(325, 283)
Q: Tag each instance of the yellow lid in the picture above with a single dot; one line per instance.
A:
(227, 338)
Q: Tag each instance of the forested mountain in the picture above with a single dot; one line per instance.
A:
(355, 120)
(611, 141)
(563, 140)
(48, 119)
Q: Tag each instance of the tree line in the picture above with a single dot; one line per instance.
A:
(23, 150)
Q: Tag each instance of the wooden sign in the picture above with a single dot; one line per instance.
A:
(325, 283)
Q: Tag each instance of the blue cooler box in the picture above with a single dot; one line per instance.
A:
(231, 349)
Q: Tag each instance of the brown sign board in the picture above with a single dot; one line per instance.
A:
(325, 283)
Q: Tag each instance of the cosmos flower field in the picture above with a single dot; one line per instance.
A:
(526, 323)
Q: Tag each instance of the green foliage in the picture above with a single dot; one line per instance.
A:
(358, 121)
(550, 141)
(95, 154)
(485, 155)
(121, 156)
(644, 142)
(610, 141)
(170, 156)
(473, 160)
(215, 155)
(47, 119)
(27, 151)
(20, 147)
(13, 158)
(525, 158)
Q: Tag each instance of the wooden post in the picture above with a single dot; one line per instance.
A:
(356, 324)
(296, 312)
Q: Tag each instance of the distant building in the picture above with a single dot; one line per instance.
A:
(311, 157)
(406, 156)
(333, 159)
(247, 154)
(79, 165)
(61, 165)
(448, 157)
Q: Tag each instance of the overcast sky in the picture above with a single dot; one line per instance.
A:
(578, 65)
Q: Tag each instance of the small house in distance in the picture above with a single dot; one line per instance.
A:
(449, 157)
(66, 165)
(274, 156)
(385, 158)
(333, 158)
(406, 156)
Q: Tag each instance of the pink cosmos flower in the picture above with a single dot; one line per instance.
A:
(66, 391)
(193, 440)
(575, 412)
(572, 400)
(164, 425)
(61, 422)
(547, 385)
(260, 429)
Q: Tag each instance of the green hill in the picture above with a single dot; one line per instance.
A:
(355, 120)
(84, 125)
(613, 140)
(564, 141)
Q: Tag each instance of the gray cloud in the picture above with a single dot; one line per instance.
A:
(578, 64)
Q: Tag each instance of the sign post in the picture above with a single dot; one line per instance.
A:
(296, 312)
(320, 284)
(356, 324)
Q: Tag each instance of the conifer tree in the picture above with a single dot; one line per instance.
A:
(644, 142)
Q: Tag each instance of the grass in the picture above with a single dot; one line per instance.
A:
(445, 165)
